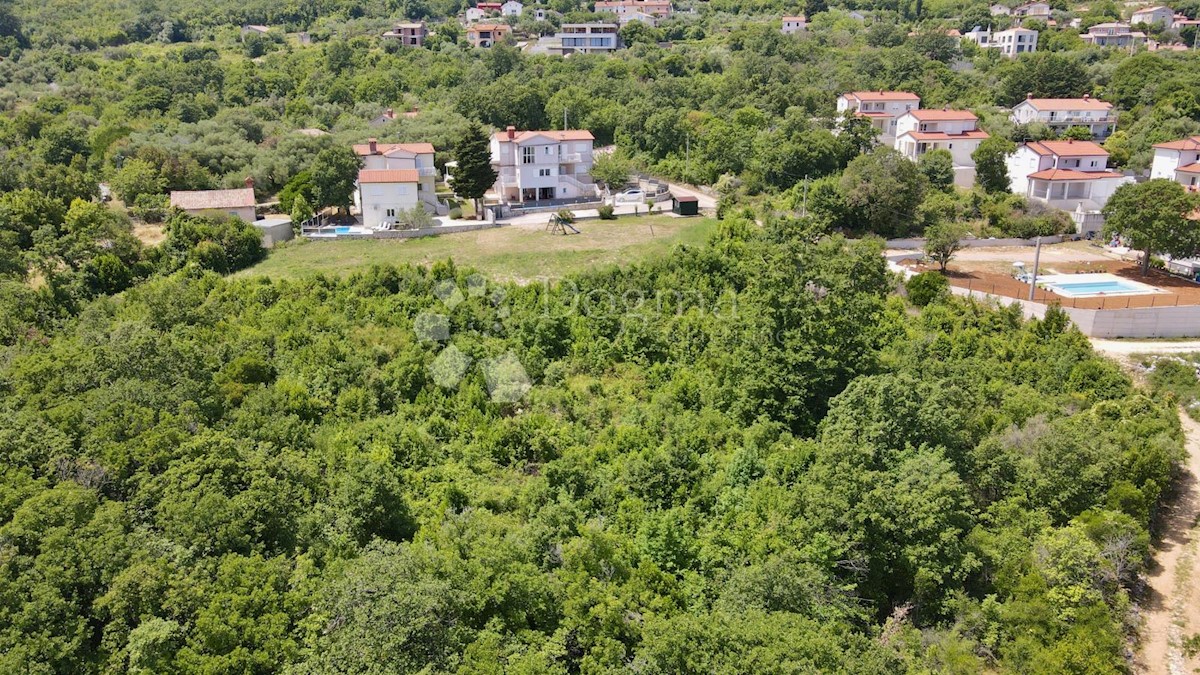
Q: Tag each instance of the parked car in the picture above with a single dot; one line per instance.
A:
(630, 196)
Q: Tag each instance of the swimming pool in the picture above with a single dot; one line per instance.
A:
(1085, 285)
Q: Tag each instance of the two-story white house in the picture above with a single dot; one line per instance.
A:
(1178, 161)
(1033, 10)
(511, 8)
(880, 107)
(957, 131)
(1113, 35)
(414, 158)
(382, 194)
(646, 11)
(1062, 113)
(537, 166)
(1069, 175)
(1000, 10)
(1159, 15)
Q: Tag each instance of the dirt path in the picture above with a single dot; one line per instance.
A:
(1172, 608)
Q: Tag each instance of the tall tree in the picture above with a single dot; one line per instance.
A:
(1153, 217)
(991, 169)
(942, 241)
(334, 173)
(474, 175)
(884, 189)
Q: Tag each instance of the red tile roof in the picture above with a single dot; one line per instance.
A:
(943, 136)
(1192, 143)
(1068, 148)
(1190, 168)
(364, 149)
(388, 176)
(882, 95)
(1068, 104)
(570, 135)
(1072, 174)
(203, 200)
(935, 115)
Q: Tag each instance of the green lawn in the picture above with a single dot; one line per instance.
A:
(512, 253)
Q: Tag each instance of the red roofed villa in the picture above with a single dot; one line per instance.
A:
(541, 166)
(1178, 161)
(236, 202)
(956, 131)
(881, 107)
(1069, 175)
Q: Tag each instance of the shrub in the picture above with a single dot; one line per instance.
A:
(606, 212)
(150, 208)
(926, 288)
(456, 214)
(566, 216)
(416, 218)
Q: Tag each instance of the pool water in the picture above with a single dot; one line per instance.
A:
(342, 230)
(1095, 287)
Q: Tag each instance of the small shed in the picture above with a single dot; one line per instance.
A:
(685, 206)
(274, 230)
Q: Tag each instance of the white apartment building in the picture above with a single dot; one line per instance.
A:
(414, 157)
(881, 108)
(1062, 113)
(538, 166)
(511, 8)
(1011, 42)
(1069, 175)
(585, 38)
(956, 131)
(646, 11)
(1178, 161)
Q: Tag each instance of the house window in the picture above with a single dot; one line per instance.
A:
(527, 155)
(391, 213)
(548, 148)
(543, 172)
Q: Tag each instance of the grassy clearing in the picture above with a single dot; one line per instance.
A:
(512, 253)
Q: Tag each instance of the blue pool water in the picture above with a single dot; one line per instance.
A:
(1095, 287)
(341, 230)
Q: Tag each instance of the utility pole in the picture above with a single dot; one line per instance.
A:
(1037, 256)
(565, 118)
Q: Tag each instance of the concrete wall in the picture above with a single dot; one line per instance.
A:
(1146, 322)
(412, 234)
(918, 244)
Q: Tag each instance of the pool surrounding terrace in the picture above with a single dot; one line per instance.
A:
(1093, 285)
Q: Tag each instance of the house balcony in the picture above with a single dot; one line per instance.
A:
(427, 171)
(1076, 119)
(570, 158)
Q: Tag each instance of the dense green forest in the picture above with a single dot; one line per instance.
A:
(751, 457)
(763, 454)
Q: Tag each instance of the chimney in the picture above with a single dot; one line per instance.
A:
(1029, 96)
(1087, 97)
(512, 133)
(250, 182)
(372, 146)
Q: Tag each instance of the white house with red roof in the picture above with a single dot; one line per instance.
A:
(538, 166)
(956, 131)
(881, 107)
(1178, 161)
(385, 189)
(646, 11)
(1113, 34)
(1069, 175)
(1062, 113)
(794, 24)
